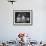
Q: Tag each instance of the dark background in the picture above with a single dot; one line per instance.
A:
(26, 14)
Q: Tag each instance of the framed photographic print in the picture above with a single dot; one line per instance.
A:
(22, 17)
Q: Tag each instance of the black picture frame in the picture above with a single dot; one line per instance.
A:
(22, 17)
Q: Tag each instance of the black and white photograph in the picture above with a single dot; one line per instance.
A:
(22, 17)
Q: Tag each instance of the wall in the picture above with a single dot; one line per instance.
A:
(37, 31)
